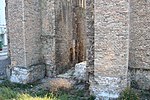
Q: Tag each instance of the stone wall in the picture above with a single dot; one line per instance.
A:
(90, 39)
(111, 48)
(63, 34)
(23, 22)
(79, 30)
(139, 59)
(48, 35)
(42, 33)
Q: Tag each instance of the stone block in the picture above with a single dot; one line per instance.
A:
(27, 75)
(80, 71)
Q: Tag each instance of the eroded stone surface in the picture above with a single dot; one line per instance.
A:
(111, 48)
(47, 36)
(27, 75)
(140, 79)
(139, 52)
(80, 71)
(24, 30)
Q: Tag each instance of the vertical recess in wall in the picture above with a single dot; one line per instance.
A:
(70, 33)
(79, 31)
(63, 34)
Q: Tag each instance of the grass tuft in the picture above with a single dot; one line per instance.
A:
(12, 91)
(129, 94)
(7, 93)
(29, 97)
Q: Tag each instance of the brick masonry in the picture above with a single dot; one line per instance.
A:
(139, 57)
(47, 37)
(111, 47)
(63, 11)
(24, 29)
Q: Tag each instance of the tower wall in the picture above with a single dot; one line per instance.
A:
(111, 46)
(139, 57)
(24, 29)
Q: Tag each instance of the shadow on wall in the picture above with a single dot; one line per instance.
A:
(140, 78)
(70, 34)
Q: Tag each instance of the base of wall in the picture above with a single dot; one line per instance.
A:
(140, 78)
(107, 96)
(107, 88)
(50, 70)
(27, 75)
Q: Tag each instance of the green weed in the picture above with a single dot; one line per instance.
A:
(128, 94)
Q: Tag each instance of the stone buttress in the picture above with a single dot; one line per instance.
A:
(24, 30)
(111, 46)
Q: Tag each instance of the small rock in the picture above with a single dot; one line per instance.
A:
(80, 71)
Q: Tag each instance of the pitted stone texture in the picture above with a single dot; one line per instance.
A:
(24, 75)
(111, 47)
(42, 31)
(80, 71)
(140, 79)
(24, 30)
(90, 31)
(32, 31)
(139, 56)
(140, 34)
(79, 31)
(107, 87)
(15, 31)
(48, 35)
(63, 34)
(48, 17)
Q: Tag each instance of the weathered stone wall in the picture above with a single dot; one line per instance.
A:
(90, 39)
(16, 27)
(63, 33)
(139, 57)
(111, 47)
(79, 30)
(23, 22)
(32, 31)
(48, 35)
(45, 34)
(52, 35)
